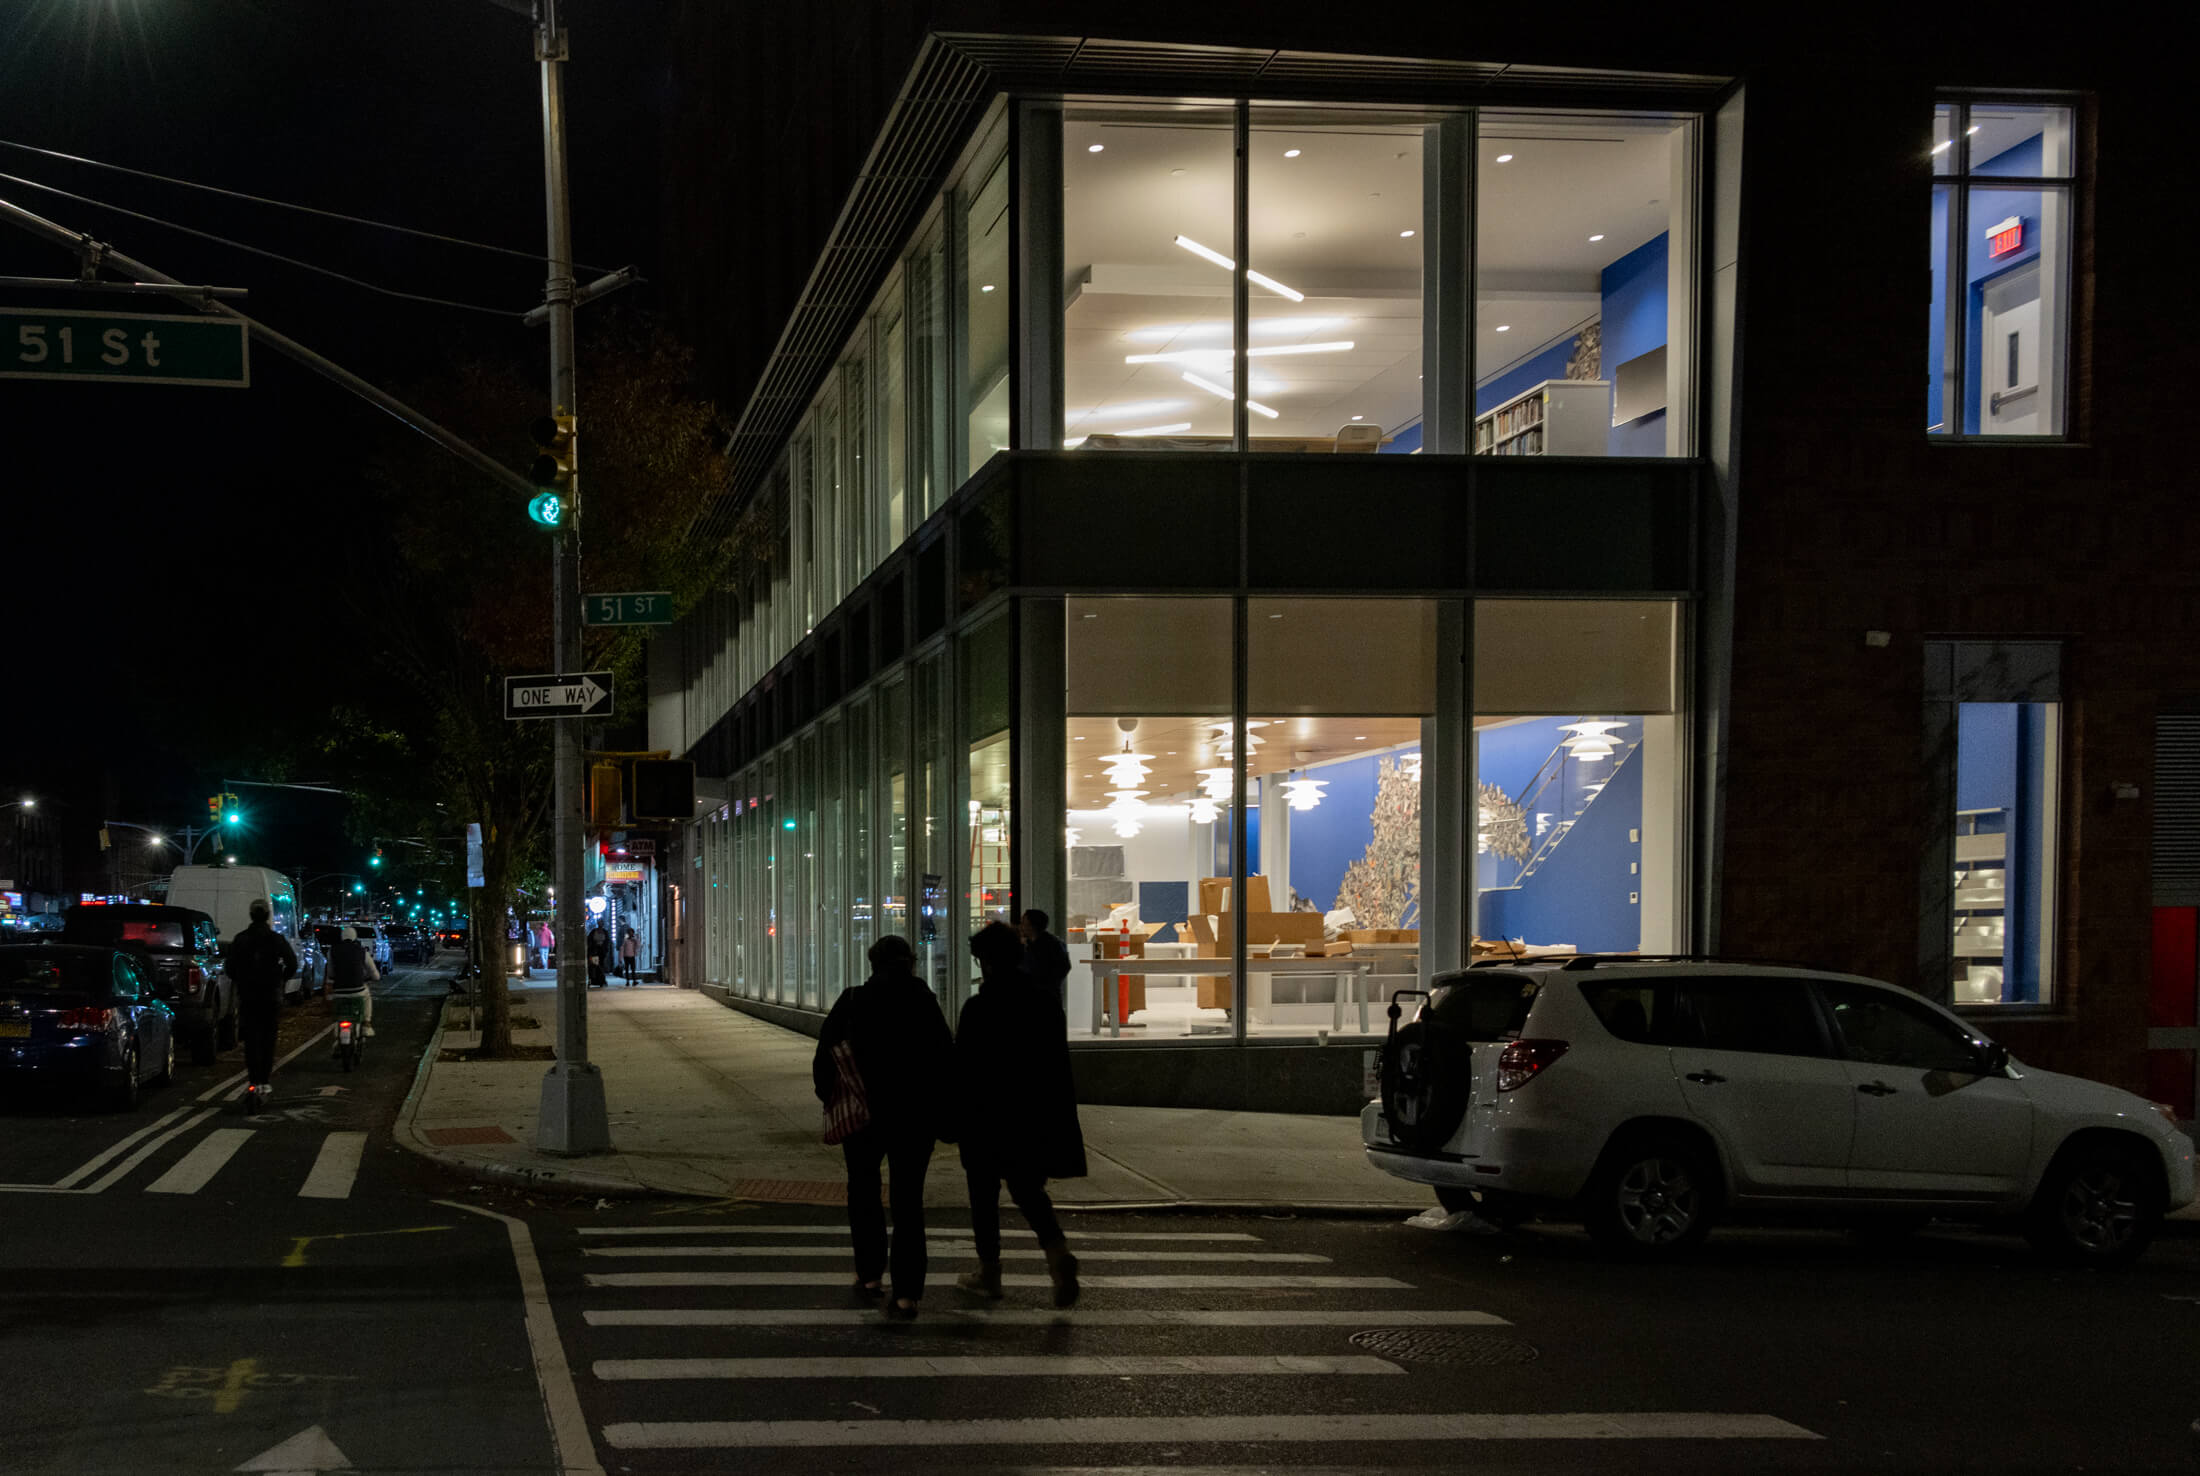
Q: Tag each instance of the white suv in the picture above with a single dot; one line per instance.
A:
(1649, 1095)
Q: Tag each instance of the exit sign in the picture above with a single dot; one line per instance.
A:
(2005, 238)
(643, 607)
(123, 348)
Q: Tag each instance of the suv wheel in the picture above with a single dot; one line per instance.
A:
(1426, 1076)
(1651, 1196)
(2098, 1206)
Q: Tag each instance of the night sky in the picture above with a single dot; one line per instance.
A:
(170, 549)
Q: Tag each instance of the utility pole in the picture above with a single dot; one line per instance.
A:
(572, 1119)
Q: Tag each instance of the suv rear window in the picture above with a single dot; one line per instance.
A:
(1632, 1009)
(1486, 1006)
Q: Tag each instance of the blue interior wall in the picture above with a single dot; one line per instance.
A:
(2001, 764)
(1634, 324)
(1987, 207)
(1403, 442)
(1581, 894)
(1549, 363)
(1335, 833)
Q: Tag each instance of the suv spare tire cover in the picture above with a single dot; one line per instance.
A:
(1426, 1083)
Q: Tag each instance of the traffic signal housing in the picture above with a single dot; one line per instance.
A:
(664, 789)
(553, 471)
(605, 797)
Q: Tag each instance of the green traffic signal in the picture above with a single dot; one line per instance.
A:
(232, 818)
(547, 508)
(553, 470)
(358, 887)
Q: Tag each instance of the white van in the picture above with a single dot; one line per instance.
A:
(226, 894)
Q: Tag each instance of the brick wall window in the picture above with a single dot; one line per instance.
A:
(1998, 342)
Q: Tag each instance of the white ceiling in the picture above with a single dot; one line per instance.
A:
(1328, 223)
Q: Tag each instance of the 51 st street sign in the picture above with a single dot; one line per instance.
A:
(123, 348)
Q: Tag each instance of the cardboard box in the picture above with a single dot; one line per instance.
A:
(1216, 937)
(1214, 894)
(1115, 945)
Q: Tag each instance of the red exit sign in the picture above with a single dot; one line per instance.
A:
(2005, 238)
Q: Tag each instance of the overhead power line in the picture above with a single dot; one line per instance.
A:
(380, 225)
(365, 286)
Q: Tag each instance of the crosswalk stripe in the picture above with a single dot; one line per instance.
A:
(334, 1167)
(1117, 1366)
(1127, 1283)
(190, 1173)
(1199, 1430)
(951, 1247)
(842, 1229)
(1032, 1317)
(146, 1150)
(93, 1165)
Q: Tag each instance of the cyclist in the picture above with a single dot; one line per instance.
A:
(351, 970)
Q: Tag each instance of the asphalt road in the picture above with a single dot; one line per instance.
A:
(184, 1288)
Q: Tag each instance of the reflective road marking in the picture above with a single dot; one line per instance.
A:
(1128, 1283)
(951, 1247)
(190, 1173)
(1029, 1317)
(334, 1167)
(980, 1366)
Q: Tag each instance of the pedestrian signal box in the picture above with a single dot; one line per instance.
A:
(606, 799)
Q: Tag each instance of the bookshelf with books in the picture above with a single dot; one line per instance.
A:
(1559, 417)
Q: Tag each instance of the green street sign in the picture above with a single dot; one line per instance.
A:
(123, 348)
(649, 607)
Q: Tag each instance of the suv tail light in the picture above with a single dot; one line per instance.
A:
(1518, 1064)
(194, 979)
(94, 1018)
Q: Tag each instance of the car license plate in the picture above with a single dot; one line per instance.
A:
(14, 1030)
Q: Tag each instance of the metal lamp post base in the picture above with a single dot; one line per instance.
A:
(573, 1121)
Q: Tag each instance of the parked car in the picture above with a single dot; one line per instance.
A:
(85, 1017)
(182, 959)
(408, 945)
(1651, 1097)
(375, 938)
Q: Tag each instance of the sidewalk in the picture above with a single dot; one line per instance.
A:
(707, 1101)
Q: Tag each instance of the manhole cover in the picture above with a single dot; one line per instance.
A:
(1440, 1345)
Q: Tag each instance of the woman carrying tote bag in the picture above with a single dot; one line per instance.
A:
(882, 1070)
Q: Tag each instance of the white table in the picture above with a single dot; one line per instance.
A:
(1354, 966)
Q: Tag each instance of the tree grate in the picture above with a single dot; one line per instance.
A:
(1441, 1345)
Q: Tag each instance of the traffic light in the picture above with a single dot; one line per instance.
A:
(231, 815)
(553, 471)
(213, 807)
(375, 860)
(357, 888)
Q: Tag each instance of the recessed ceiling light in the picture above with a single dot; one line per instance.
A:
(1971, 130)
(1403, 234)
(1359, 737)
(1175, 173)
(1080, 737)
(1504, 158)
(988, 287)
(1598, 236)
(1094, 148)
(1359, 417)
(1290, 153)
(1504, 327)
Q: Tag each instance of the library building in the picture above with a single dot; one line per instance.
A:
(1286, 527)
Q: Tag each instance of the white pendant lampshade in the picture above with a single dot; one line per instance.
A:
(1203, 811)
(1303, 794)
(1216, 784)
(1591, 741)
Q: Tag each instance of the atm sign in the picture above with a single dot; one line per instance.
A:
(2005, 238)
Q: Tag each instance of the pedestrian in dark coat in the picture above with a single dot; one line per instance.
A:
(599, 949)
(1046, 957)
(905, 1056)
(1019, 1110)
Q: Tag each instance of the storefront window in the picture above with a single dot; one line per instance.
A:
(1147, 794)
(1334, 211)
(892, 521)
(893, 848)
(835, 918)
(1147, 242)
(934, 834)
(984, 663)
(1578, 777)
(2007, 772)
(862, 894)
(1342, 695)
(1584, 262)
(1997, 342)
(925, 278)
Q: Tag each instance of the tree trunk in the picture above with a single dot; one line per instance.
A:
(490, 901)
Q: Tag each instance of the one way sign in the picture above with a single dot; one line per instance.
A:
(583, 694)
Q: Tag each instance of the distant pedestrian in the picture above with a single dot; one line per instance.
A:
(902, 1055)
(547, 941)
(599, 953)
(1046, 957)
(1018, 1111)
(258, 960)
(629, 947)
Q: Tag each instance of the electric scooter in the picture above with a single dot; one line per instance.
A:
(350, 1011)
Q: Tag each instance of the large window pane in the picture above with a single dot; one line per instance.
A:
(1147, 794)
(984, 201)
(893, 516)
(1146, 213)
(1578, 766)
(1334, 212)
(1583, 285)
(925, 278)
(984, 664)
(1342, 695)
(2007, 773)
(893, 849)
(861, 781)
(933, 836)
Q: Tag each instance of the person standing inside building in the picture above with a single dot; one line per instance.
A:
(903, 1054)
(629, 948)
(599, 951)
(1046, 957)
(259, 959)
(1018, 1110)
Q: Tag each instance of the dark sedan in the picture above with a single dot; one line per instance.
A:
(182, 954)
(83, 1016)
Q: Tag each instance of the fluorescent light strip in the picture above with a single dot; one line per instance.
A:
(1154, 430)
(1223, 391)
(1230, 266)
(1195, 356)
